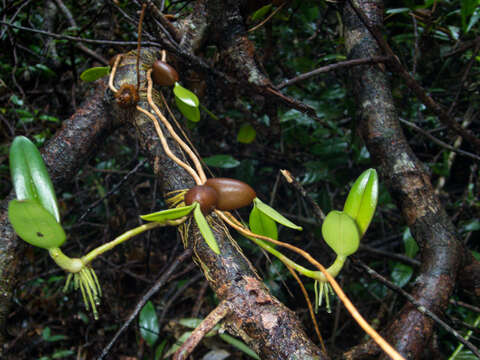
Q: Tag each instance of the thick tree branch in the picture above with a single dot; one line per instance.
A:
(441, 251)
(264, 323)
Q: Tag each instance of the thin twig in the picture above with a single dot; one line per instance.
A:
(139, 45)
(317, 211)
(114, 188)
(158, 284)
(419, 91)
(201, 330)
(267, 18)
(331, 67)
(438, 141)
(74, 38)
(418, 306)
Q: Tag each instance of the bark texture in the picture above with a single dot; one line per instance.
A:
(442, 254)
(261, 320)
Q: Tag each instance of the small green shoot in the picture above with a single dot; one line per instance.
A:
(205, 229)
(362, 199)
(274, 214)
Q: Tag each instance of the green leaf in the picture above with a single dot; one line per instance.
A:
(190, 112)
(159, 349)
(274, 214)
(34, 224)
(340, 232)
(240, 345)
(191, 323)
(362, 199)
(222, 161)
(411, 247)
(185, 96)
(148, 323)
(401, 274)
(30, 177)
(471, 225)
(170, 214)
(205, 229)
(177, 344)
(261, 13)
(95, 73)
(246, 134)
(261, 224)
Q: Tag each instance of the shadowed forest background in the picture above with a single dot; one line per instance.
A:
(322, 89)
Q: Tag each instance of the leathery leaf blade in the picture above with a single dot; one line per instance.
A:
(30, 177)
(170, 214)
(274, 214)
(261, 224)
(190, 112)
(148, 324)
(341, 233)
(34, 224)
(185, 96)
(362, 199)
(205, 229)
(95, 73)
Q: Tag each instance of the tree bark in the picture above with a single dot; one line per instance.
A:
(442, 254)
(261, 320)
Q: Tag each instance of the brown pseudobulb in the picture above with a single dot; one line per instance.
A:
(163, 74)
(232, 193)
(206, 196)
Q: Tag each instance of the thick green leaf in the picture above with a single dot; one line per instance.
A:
(30, 177)
(170, 214)
(340, 232)
(274, 214)
(261, 13)
(246, 134)
(401, 274)
(148, 324)
(190, 112)
(95, 73)
(185, 96)
(222, 161)
(362, 199)
(205, 229)
(240, 345)
(261, 224)
(34, 224)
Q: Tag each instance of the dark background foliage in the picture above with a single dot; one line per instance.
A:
(40, 87)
